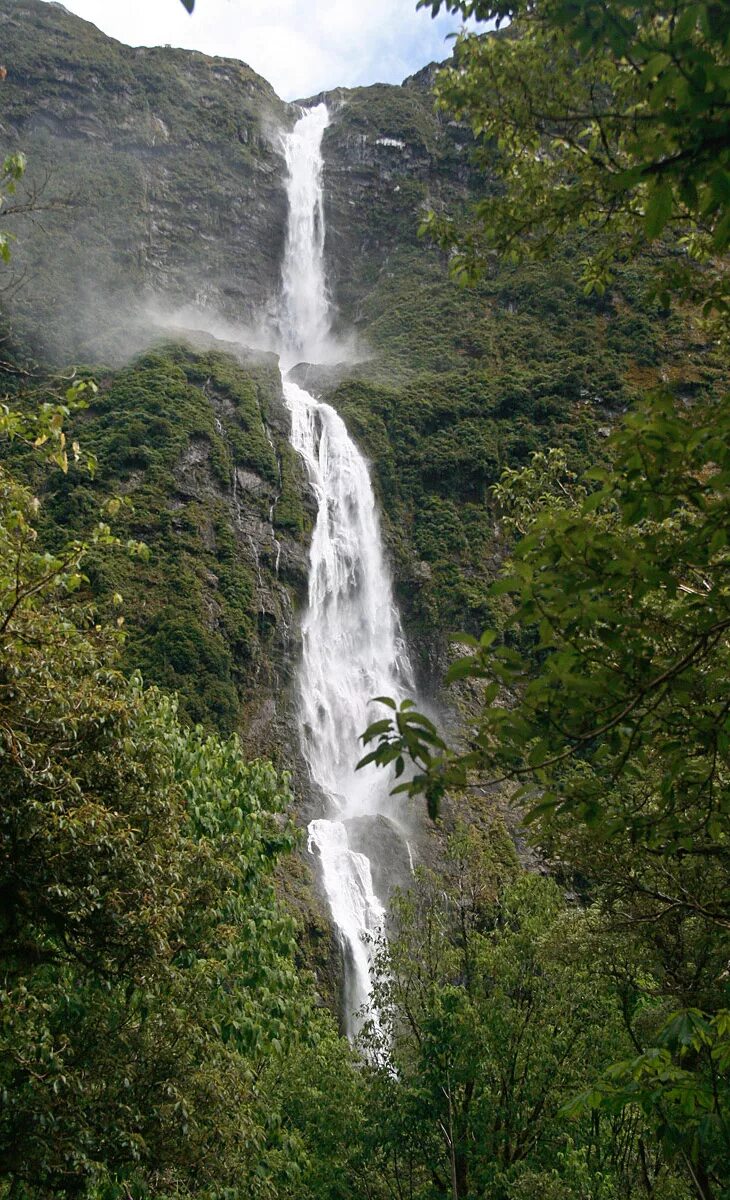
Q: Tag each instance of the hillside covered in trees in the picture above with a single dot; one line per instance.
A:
(525, 256)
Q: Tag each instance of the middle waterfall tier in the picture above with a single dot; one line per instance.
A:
(353, 650)
(352, 645)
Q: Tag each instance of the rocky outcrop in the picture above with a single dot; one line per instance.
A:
(388, 156)
(159, 173)
(386, 845)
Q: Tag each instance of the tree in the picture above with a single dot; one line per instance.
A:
(605, 694)
(492, 1012)
(627, 591)
(12, 169)
(610, 121)
(614, 722)
(147, 969)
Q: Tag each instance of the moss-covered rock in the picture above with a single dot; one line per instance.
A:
(195, 442)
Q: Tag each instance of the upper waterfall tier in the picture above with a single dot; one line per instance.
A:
(304, 316)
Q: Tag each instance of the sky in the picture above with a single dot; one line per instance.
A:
(301, 46)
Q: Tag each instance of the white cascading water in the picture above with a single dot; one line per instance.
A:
(304, 309)
(352, 646)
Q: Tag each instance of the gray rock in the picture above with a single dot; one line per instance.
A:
(384, 844)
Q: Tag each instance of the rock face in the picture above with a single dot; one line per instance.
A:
(386, 846)
(161, 180)
(161, 174)
(195, 438)
(389, 156)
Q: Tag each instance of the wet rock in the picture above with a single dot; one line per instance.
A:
(175, 166)
(294, 564)
(249, 481)
(385, 844)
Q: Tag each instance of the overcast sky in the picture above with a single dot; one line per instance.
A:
(300, 46)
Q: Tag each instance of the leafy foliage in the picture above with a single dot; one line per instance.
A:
(470, 382)
(155, 1039)
(618, 717)
(605, 116)
(623, 653)
(494, 1005)
(146, 965)
(11, 170)
(604, 693)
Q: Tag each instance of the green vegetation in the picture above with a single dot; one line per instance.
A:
(148, 985)
(11, 170)
(555, 340)
(561, 1034)
(605, 117)
(466, 383)
(499, 1004)
(204, 609)
(156, 1039)
(603, 689)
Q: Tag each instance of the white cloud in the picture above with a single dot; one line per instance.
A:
(300, 46)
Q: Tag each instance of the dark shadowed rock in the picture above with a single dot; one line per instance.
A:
(384, 844)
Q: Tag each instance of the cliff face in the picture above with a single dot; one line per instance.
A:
(160, 180)
(194, 441)
(166, 185)
(389, 157)
(159, 170)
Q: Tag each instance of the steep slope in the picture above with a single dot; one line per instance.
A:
(159, 171)
(193, 445)
(173, 162)
(389, 156)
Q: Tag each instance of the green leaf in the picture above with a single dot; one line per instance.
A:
(658, 210)
(461, 669)
(378, 727)
(720, 184)
(655, 66)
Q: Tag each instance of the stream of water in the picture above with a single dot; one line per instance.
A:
(353, 648)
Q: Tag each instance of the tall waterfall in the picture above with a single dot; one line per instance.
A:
(352, 647)
(305, 318)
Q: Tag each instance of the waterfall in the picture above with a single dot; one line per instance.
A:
(304, 311)
(352, 645)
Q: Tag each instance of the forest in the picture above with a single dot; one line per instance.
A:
(546, 416)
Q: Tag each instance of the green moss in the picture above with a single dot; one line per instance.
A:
(242, 410)
(168, 431)
(290, 516)
(462, 383)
